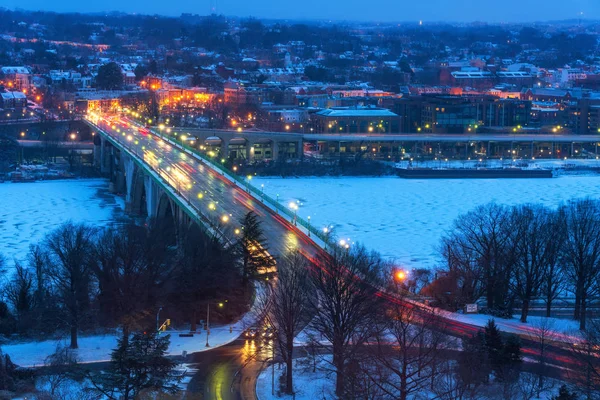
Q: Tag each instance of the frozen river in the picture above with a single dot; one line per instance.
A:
(404, 219)
(30, 210)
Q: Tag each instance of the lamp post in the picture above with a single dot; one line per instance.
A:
(208, 321)
(308, 228)
(294, 207)
(158, 318)
(400, 277)
(262, 192)
(248, 179)
(72, 136)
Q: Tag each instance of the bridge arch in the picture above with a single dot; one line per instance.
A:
(138, 198)
(264, 149)
(166, 219)
(238, 148)
(216, 145)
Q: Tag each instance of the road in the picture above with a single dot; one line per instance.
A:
(225, 204)
(229, 372)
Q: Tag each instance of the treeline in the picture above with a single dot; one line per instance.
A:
(513, 255)
(362, 330)
(83, 278)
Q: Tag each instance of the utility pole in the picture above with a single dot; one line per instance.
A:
(207, 323)
(157, 318)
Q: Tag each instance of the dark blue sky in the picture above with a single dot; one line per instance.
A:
(382, 10)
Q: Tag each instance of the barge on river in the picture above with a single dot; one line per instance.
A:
(470, 173)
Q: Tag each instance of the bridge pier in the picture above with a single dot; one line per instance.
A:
(249, 151)
(153, 193)
(129, 173)
(104, 155)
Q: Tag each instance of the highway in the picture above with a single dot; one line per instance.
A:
(225, 204)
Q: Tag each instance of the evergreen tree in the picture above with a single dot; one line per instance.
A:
(473, 363)
(109, 77)
(138, 364)
(510, 367)
(564, 394)
(494, 345)
(252, 247)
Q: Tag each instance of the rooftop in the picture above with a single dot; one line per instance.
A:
(357, 112)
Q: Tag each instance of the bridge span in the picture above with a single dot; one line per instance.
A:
(162, 179)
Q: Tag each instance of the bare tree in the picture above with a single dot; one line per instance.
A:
(581, 252)
(128, 281)
(345, 307)
(553, 283)
(410, 364)
(37, 260)
(289, 308)
(543, 332)
(480, 245)
(464, 278)
(19, 293)
(69, 252)
(60, 368)
(587, 353)
(206, 269)
(449, 386)
(532, 246)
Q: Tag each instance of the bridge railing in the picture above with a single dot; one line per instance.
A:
(245, 183)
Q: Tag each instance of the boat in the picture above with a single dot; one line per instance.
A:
(471, 173)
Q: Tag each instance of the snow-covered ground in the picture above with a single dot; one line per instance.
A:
(308, 385)
(563, 330)
(99, 347)
(404, 219)
(320, 384)
(28, 211)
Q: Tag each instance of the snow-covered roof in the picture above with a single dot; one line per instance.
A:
(357, 112)
(16, 70)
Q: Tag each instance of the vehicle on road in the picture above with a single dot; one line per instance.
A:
(251, 333)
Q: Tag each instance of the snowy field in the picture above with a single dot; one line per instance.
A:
(28, 211)
(99, 347)
(320, 384)
(404, 219)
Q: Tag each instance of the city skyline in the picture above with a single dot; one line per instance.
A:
(351, 10)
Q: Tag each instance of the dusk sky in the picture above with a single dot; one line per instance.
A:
(377, 10)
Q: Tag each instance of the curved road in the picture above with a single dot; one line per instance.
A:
(229, 372)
